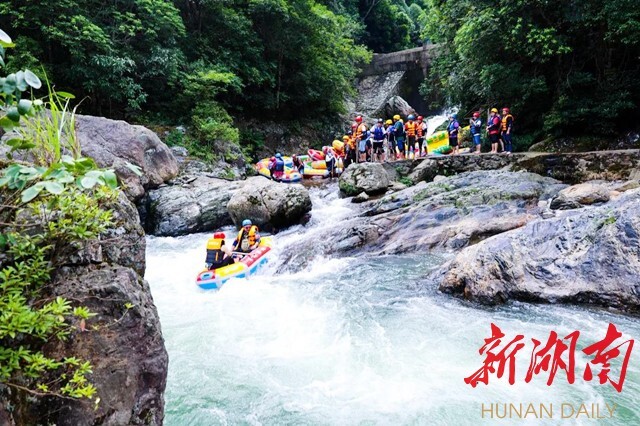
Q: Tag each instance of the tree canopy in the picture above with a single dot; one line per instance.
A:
(564, 67)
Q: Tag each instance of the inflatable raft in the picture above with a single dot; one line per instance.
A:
(290, 175)
(249, 264)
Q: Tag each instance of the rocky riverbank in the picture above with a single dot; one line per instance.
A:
(516, 235)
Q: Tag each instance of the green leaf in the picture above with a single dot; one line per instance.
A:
(24, 106)
(53, 187)
(88, 182)
(21, 83)
(66, 95)
(4, 38)
(13, 114)
(7, 124)
(110, 179)
(32, 79)
(31, 193)
(9, 84)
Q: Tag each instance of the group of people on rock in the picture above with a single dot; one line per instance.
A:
(389, 140)
(499, 129)
(385, 140)
(219, 254)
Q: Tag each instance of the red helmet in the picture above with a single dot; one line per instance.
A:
(219, 235)
(359, 119)
(476, 114)
(505, 109)
(420, 118)
(273, 158)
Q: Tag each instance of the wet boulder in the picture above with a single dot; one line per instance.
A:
(580, 195)
(364, 177)
(191, 204)
(590, 256)
(457, 211)
(269, 204)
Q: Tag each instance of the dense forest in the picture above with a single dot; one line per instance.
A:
(564, 68)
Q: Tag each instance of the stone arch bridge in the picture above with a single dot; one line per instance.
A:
(390, 83)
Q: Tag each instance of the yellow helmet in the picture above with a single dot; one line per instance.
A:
(388, 122)
(494, 110)
(345, 138)
(396, 117)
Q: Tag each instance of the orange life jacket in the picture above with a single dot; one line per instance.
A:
(507, 121)
(419, 129)
(410, 128)
(360, 130)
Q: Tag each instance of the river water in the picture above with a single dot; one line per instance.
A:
(355, 340)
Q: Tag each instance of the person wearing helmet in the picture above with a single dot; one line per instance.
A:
(278, 168)
(398, 131)
(506, 128)
(248, 238)
(218, 254)
(378, 135)
(421, 132)
(475, 126)
(350, 149)
(410, 130)
(391, 140)
(360, 135)
(453, 129)
(493, 129)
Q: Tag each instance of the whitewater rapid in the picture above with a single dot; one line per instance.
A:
(349, 340)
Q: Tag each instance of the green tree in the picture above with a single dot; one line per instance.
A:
(564, 68)
(116, 53)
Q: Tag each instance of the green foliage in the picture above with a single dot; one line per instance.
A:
(27, 318)
(48, 211)
(563, 68)
(117, 53)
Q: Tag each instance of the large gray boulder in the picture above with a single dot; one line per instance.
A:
(580, 195)
(197, 205)
(457, 211)
(269, 204)
(364, 177)
(113, 143)
(591, 255)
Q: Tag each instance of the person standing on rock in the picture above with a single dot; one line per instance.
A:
(218, 254)
(378, 141)
(351, 149)
(391, 140)
(360, 134)
(410, 130)
(248, 238)
(453, 129)
(421, 132)
(475, 126)
(330, 161)
(493, 129)
(506, 128)
(398, 130)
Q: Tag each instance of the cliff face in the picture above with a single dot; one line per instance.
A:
(123, 341)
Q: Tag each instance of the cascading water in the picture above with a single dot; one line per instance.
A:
(350, 340)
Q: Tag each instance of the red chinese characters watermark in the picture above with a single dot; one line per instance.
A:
(557, 354)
